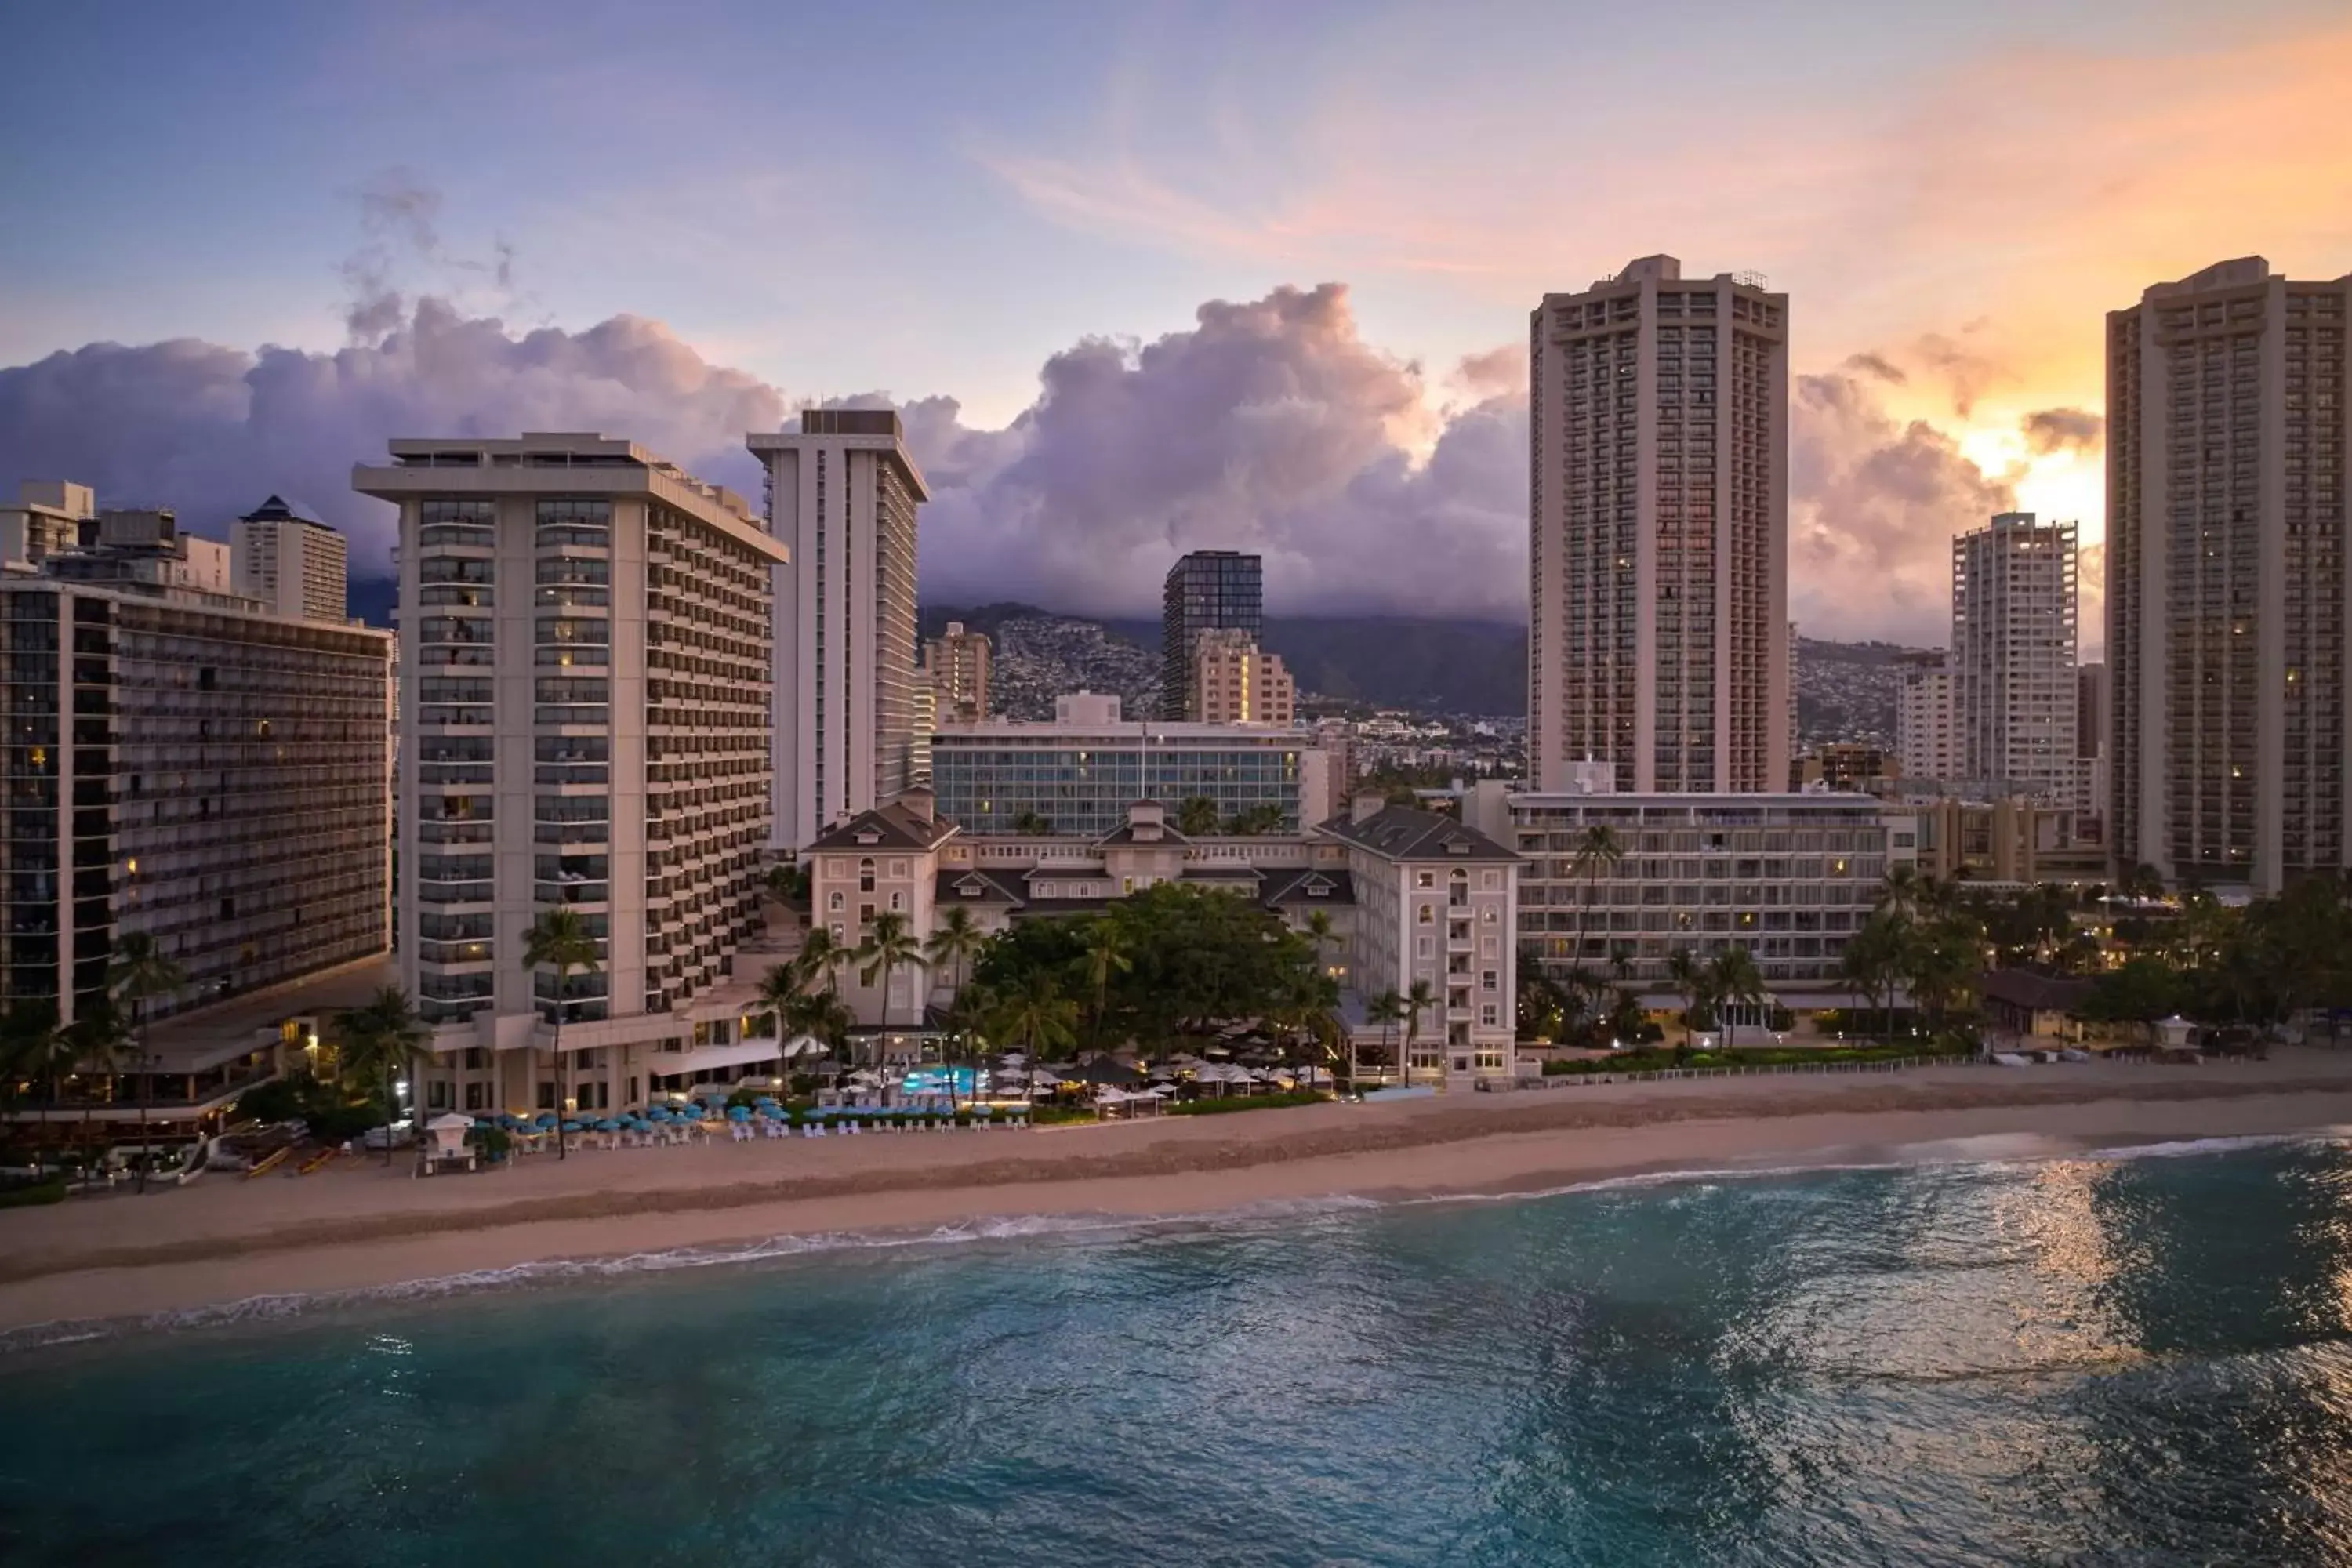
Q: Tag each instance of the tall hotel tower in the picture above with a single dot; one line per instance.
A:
(842, 494)
(2014, 689)
(584, 657)
(1658, 636)
(2230, 426)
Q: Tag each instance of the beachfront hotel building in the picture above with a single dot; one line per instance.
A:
(586, 658)
(2229, 436)
(1235, 682)
(2015, 693)
(1791, 878)
(1658, 531)
(1207, 590)
(186, 765)
(1410, 896)
(842, 494)
(1079, 772)
(282, 554)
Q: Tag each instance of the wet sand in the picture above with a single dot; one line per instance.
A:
(359, 1225)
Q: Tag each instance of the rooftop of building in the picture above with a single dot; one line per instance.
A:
(859, 429)
(1408, 833)
(278, 509)
(905, 822)
(559, 462)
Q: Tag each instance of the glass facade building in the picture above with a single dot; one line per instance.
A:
(1000, 777)
(1209, 589)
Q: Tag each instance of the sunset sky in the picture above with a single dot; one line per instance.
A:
(1001, 205)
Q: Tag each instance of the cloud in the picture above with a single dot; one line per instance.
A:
(1267, 424)
(212, 430)
(1874, 504)
(2052, 430)
(1879, 366)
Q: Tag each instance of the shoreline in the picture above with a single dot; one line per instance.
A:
(363, 1228)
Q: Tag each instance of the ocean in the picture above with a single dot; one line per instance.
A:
(2132, 1358)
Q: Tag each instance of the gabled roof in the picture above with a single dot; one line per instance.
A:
(1124, 834)
(1407, 833)
(278, 509)
(887, 826)
(971, 886)
(1299, 887)
(1228, 872)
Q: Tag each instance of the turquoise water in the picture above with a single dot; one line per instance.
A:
(2097, 1360)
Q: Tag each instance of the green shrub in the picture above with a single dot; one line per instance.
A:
(33, 1195)
(280, 1099)
(1057, 1115)
(333, 1124)
(1247, 1103)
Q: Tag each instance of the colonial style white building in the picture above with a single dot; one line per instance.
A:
(1410, 896)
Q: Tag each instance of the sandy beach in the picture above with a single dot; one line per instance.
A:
(360, 1226)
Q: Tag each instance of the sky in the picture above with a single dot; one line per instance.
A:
(1144, 276)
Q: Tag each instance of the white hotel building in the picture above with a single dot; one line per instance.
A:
(585, 658)
(1788, 877)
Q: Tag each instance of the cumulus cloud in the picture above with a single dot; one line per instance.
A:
(212, 430)
(2054, 430)
(1267, 424)
(1874, 504)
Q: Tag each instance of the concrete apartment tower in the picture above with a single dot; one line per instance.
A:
(2014, 689)
(1207, 590)
(2228, 430)
(957, 663)
(1923, 715)
(585, 655)
(283, 556)
(1234, 681)
(1658, 633)
(842, 493)
(184, 765)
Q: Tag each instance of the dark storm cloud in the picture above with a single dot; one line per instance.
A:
(2051, 431)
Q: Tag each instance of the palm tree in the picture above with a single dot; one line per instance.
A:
(1101, 955)
(1387, 1010)
(560, 939)
(1874, 959)
(967, 1016)
(99, 1042)
(955, 943)
(1196, 817)
(1420, 999)
(821, 957)
(385, 1035)
(138, 972)
(1599, 850)
(1736, 981)
(28, 1047)
(1030, 822)
(1038, 1017)
(889, 947)
(1690, 977)
(1319, 932)
(1904, 890)
(779, 987)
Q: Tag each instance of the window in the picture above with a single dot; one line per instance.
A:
(866, 876)
(1487, 1015)
(1491, 880)
(1428, 914)
(1489, 946)
(1425, 878)
(475, 1093)
(437, 1097)
(833, 902)
(547, 1094)
(1489, 915)
(897, 867)
(1423, 946)
(898, 902)
(1488, 980)
(865, 915)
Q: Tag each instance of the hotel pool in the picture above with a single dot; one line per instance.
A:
(943, 1081)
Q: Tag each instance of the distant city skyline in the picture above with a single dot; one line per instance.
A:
(1203, 219)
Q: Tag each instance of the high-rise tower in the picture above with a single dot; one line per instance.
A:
(2014, 691)
(1658, 634)
(1209, 590)
(842, 494)
(2230, 426)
